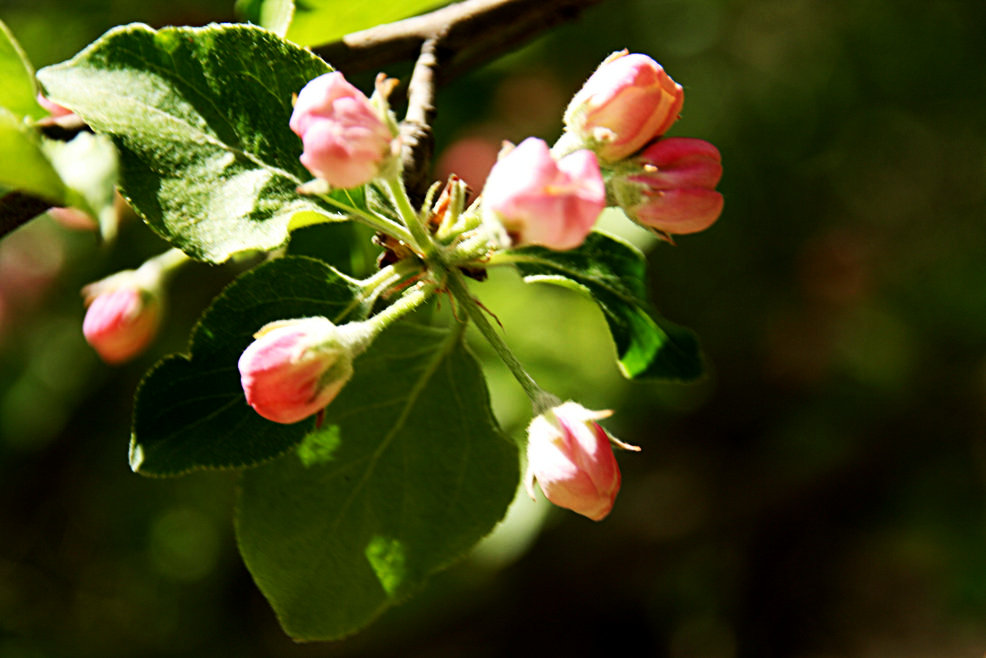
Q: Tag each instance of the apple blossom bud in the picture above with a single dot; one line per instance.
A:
(295, 368)
(628, 101)
(122, 317)
(673, 191)
(346, 141)
(542, 201)
(571, 458)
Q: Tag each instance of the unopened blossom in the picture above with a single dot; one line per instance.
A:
(673, 190)
(295, 368)
(122, 317)
(543, 201)
(627, 102)
(346, 141)
(571, 458)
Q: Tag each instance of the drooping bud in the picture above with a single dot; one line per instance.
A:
(346, 141)
(628, 101)
(572, 459)
(543, 201)
(295, 368)
(673, 189)
(123, 316)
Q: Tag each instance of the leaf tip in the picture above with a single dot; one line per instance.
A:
(136, 454)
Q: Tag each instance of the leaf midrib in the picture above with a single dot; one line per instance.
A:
(424, 378)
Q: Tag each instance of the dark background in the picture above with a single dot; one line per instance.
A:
(820, 494)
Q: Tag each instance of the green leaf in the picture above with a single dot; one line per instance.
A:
(18, 90)
(88, 166)
(190, 411)
(614, 274)
(348, 246)
(200, 118)
(323, 21)
(275, 15)
(23, 165)
(408, 472)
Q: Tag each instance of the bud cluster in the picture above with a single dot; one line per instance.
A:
(613, 151)
(613, 148)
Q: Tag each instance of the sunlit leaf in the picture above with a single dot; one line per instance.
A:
(614, 274)
(408, 472)
(275, 15)
(323, 21)
(200, 117)
(23, 165)
(18, 89)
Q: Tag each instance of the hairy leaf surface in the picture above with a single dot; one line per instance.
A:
(200, 117)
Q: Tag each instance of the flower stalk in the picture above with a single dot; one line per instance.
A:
(457, 286)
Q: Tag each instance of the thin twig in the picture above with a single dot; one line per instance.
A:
(417, 139)
(474, 30)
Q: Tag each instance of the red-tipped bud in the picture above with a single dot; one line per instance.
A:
(295, 368)
(122, 318)
(627, 102)
(673, 191)
(346, 141)
(543, 201)
(571, 457)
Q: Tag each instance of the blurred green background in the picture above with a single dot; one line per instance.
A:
(820, 494)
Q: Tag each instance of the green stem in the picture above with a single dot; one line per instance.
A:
(374, 221)
(160, 268)
(501, 258)
(359, 335)
(422, 241)
(409, 301)
(397, 270)
(457, 285)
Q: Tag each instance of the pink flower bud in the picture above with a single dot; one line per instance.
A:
(295, 368)
(345, 140)
(674, 190)
(571, 458)
(541, 201)
(122, 317)
(627, 102)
